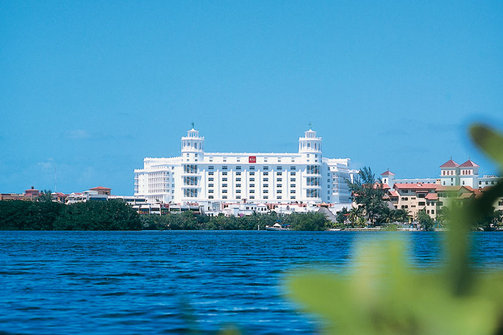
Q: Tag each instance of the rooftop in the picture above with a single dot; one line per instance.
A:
(449, 164)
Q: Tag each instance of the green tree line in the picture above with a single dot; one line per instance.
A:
(116, 215)
(48, 215)
(189, 221)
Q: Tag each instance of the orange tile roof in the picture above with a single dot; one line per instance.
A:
(393, 193)
(431, 196)
(469, 163)
(449, 164)
(416, 186)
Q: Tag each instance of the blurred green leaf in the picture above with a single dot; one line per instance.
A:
(385, 295)
(489, 141)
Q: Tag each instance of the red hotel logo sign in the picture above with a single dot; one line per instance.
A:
(252, 159)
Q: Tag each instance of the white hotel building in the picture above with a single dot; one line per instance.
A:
(200, 177)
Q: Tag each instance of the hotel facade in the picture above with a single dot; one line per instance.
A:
(200, 177)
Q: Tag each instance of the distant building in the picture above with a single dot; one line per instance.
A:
(201, 177)
(456, 181)
(31, 194)
(466, 174)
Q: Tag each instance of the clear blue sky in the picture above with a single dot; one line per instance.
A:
(90, 88)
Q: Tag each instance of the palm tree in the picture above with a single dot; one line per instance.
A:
(368, 192)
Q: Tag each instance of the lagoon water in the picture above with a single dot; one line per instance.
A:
(178, 281)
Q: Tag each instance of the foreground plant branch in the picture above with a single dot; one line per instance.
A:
(384, 294)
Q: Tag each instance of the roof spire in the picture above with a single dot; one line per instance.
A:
(310, 125)
(193, 125)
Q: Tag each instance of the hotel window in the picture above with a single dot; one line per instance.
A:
(293, 197)
(211, 179)
(265, 179)
(210, 191)
(279, 197)
(224, 191)
(224, 185)
(279, 191)
(252, 191)
(210, 197)
(224, 173)
(279, 185)
(210, 185)
(210, 173)
(292, 191)
(238, 167)
(313, 169)
(266, 168)
(190, 168)
(238, 173)
(266, 197)
(279, 179)
(266, 191)
(252, 167)
(252, 173)
(211, 167)
(266, 185)
(252, 185)
(190, 193)
(238, 191)
(224, 167)
(224, 179)
(252, 179)
(266, 173)
(238, 185)
(238, 179)
(224, 197)
(252, 197)
(292, 167)
(293, 179)
(293, 185)
(279, 168)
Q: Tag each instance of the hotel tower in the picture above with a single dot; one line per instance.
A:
(197, 176)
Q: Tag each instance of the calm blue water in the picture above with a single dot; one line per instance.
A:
(172, 282)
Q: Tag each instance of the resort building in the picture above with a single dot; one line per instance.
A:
(457, 182)
(200, 177)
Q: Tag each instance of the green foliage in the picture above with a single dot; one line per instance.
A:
(48, 215)
(307, 221)
(342, 215)
(28, 215)
(98, 215)
(425, 220)
(189, 221)
(368, 192)
(386, 295)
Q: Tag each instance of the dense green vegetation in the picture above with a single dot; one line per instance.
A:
(48, 215)
(425, 220)
(28, 215)
(189, 221)
(116, 215)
